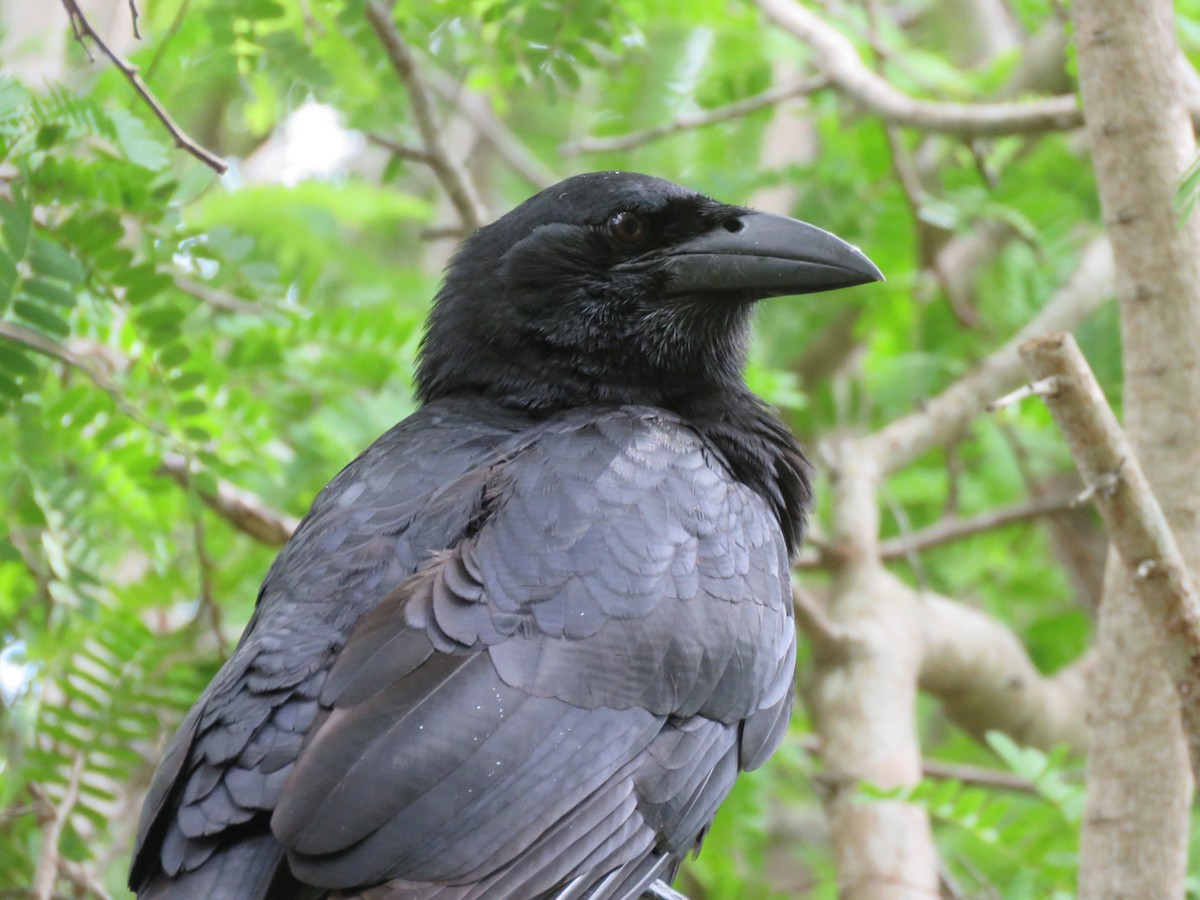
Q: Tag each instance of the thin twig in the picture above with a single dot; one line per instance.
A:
(447, 233)
(910, 549)
(1105, 485)
(32, 340)
(215, 298)
(955, 528)
(976, 776)
(168, 36)
(476, 110)
(404, 151)
(1042, 388)
(49, 859)
(453, 177)
(947, 530)
(83, 28)
(84, 880)
(241, 509)
(133, 19)
(690, 121)
(208, 603)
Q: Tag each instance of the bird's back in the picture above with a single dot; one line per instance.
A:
(368, 529)
(601, 616)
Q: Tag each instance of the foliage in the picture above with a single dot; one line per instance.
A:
(263, 327)
(1031, 841)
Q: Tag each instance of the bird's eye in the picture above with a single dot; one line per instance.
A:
(628, 227)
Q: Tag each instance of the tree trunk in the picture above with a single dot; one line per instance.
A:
(1139, 787)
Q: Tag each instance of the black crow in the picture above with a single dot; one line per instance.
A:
(522, 646)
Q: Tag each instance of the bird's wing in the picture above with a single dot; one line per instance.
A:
(368, 530)
(567, 690)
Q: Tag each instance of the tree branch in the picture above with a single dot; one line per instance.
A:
(946, 416)
(84, 881)
(826, 636)
(49, 860)
(1136, 525)
(32, 340)
(691, 121)
(1136, 817)
(979, 671)
(404, 151)
(839, 60)
(208, 609)
(83, 28)
(453, 177)
(476, 109)
(979, 776)
(241, 509)
(957, 528)
(215, 298)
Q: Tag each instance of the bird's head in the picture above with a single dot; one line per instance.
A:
(617, 287)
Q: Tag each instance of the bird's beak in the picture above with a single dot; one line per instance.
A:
(762, 255)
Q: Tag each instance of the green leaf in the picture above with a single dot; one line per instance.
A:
(186, 381)
(42, 319)
(140, 146)
(8, 280)
(193, 406)
(16, 218)
(48, 258)
(196, 433)
(49, 135)
(142, 282)
(50, 292)
(174, 355)
(13, 99)
(155, 317)
(9, 388)
(944, 793)
(1026, 761)
(16, 362)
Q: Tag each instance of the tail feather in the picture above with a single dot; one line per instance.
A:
(240, 871)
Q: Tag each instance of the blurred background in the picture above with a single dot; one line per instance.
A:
(187, 357)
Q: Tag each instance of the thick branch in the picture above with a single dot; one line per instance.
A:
(692, 121)
(1140, 131)
(453, 177)
(1136, 525)
(241, 509)
(827, 637)
(979, 671)
(946, 416)
(838, 59)
(863, 704)
(83, 28)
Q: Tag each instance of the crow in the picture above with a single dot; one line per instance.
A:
(524, 643)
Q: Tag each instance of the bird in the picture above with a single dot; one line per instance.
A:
(522, 645)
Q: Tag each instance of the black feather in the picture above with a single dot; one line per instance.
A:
(522, 645)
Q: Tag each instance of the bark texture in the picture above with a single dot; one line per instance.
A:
(1138, 529)
(1139, 785)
